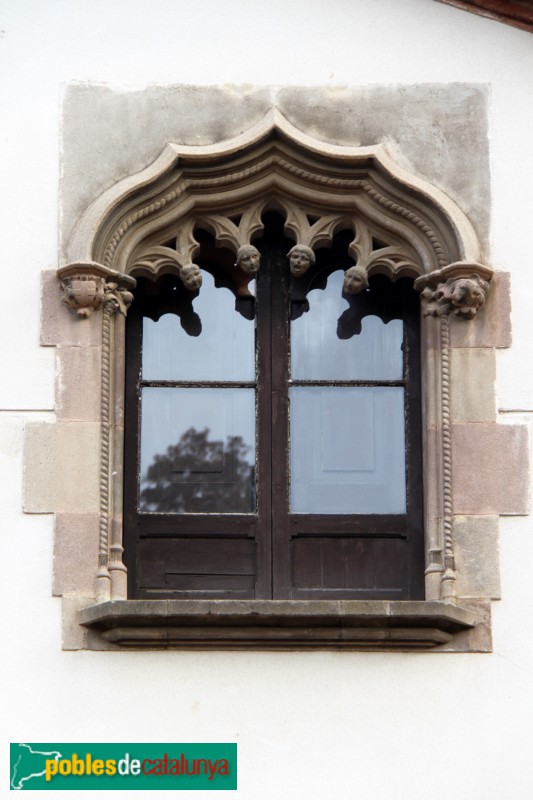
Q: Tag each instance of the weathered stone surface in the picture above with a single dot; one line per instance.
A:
(432, 388)
(279, 624)
(402, 117)
(59, 324)
(75, 553)
(472, 379)
(473, 640)
(477, 557)
(61, 467)
(78, 383)
(457, 289)
(433, 470)
(75, 637)
(94, 115)
(492, 325)
(490, 468)
(108, 134)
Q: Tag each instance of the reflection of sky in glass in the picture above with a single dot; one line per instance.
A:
(347, 450)
(318, 353)
(225, 349)
(168, 412)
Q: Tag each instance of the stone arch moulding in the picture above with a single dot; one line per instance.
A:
(401, 225)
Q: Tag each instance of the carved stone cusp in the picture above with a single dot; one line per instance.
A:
(191, 277)
(355, 280)
(248, 259)
(87, 286)
(459, 288)
(300, 259)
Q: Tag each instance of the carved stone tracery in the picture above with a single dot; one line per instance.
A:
(400, 228)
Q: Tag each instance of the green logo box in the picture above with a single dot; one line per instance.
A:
(123, 766)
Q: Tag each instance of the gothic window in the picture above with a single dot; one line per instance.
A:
(273, 429)
(287, 432)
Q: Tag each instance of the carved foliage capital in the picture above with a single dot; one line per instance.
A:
(88, 286)
(459, 288)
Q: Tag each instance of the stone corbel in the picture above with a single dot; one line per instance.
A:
(457, 289)
(88, 286)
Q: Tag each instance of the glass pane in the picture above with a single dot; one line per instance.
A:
(317, 352)
(224, 350)
(347, 450)
(197, 450)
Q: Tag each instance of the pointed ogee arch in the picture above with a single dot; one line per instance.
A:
(274, 165)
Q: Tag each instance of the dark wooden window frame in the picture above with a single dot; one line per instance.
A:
(277, 532)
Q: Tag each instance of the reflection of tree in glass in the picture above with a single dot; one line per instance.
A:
(200, 476)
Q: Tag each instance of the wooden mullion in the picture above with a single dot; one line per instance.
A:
(413, 444)
(132, 526)
(263, 584)
(280, 424)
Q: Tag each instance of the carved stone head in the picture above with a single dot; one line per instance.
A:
(248, 258)
(355, 280)
(191, 276)
(300, 259)
(468, 295)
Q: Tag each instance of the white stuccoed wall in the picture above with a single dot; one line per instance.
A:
(309, 726)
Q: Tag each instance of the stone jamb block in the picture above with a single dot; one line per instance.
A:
(472, 382)
(490, 468)
(477, 557)
(78, 383)
(75, 548)
(61, 467)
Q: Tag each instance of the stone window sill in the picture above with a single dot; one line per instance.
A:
(290, 625)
